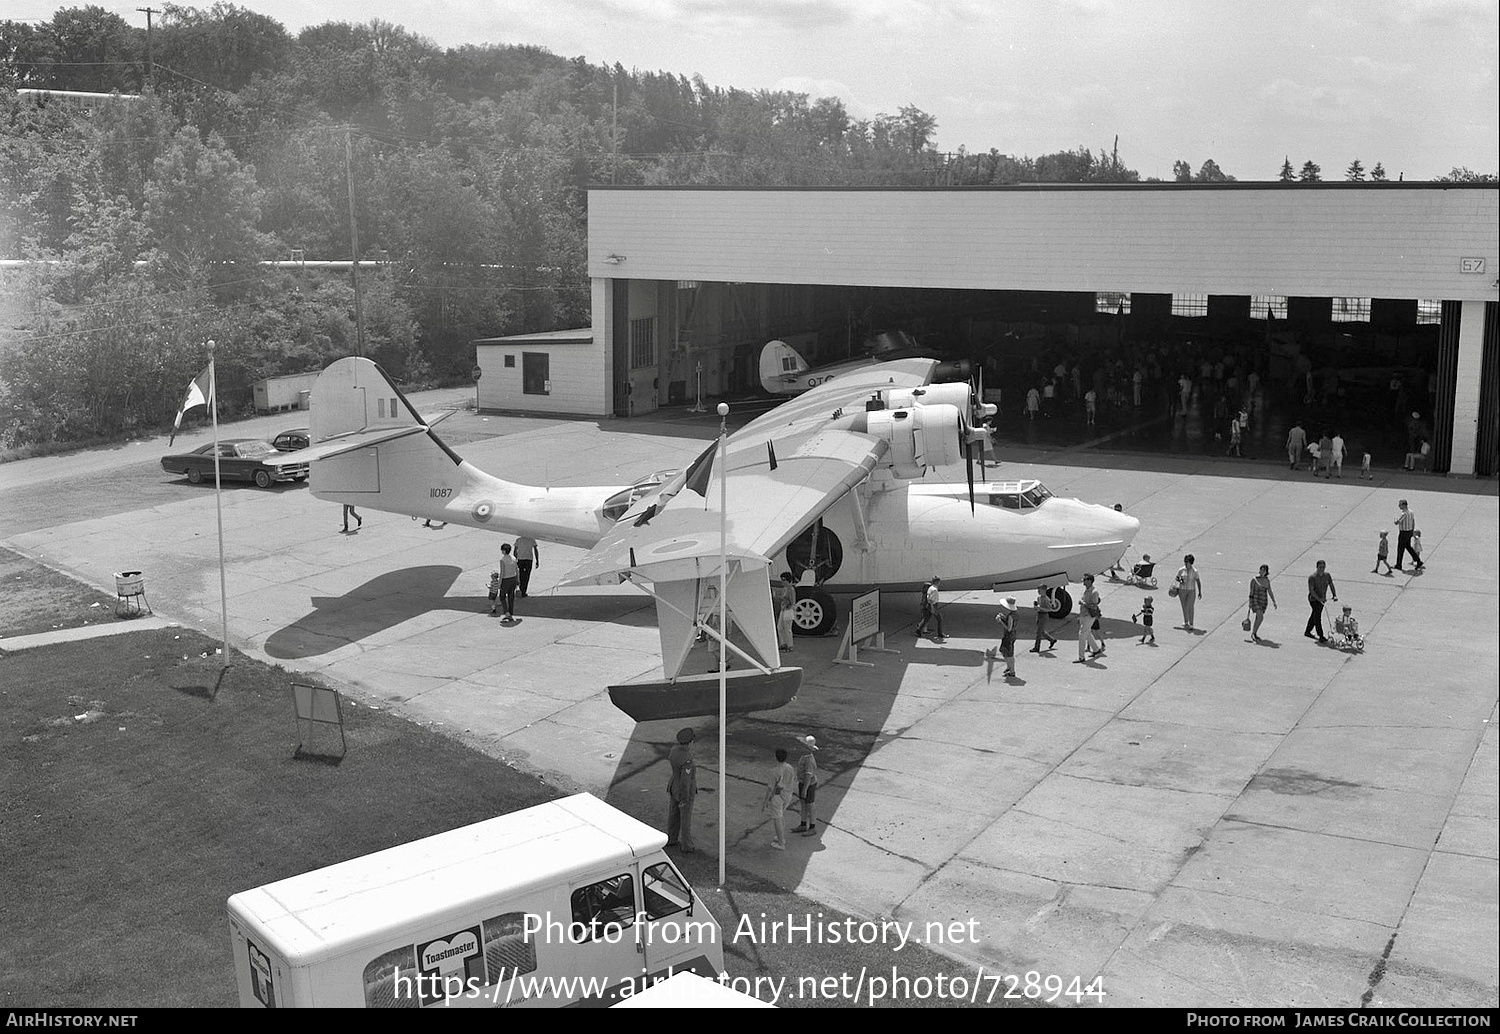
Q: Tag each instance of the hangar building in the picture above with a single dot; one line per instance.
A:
(1364, 279)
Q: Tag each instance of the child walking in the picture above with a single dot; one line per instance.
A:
(1383, 554)
(1145, 619)
(495, 590)
(1416, 549)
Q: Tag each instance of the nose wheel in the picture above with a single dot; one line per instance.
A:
(814, 612)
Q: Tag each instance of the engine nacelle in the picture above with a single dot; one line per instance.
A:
(956, 395)
(920, 437)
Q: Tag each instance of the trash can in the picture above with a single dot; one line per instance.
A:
(304, 400)
(130, 594)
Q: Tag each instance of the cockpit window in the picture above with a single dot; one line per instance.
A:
(1019, 499)
(616, 505)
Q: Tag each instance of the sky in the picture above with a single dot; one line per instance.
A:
(1411, 84)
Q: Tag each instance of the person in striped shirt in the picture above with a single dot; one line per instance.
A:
(1406, 523)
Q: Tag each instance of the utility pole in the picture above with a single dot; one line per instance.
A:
(359, 316)
(150, 51)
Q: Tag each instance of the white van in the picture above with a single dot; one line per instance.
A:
(568, 902)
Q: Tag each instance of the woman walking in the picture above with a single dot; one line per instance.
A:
(1260, 592)
(1189, 588)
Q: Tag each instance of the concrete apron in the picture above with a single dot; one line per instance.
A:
(1204, 821)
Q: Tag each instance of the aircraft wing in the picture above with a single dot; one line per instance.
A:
(782, 472)
(785, 468)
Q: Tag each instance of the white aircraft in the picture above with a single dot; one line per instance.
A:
(824, 485)
(783, 371)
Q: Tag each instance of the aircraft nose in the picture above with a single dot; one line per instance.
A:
(1124, 526)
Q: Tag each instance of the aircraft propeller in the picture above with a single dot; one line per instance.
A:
(976, 433)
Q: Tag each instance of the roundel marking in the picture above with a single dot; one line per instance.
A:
(483, 511)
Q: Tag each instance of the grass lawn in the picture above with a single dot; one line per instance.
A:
(36, 599)
(139, 790)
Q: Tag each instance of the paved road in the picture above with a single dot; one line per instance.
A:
(1206, 821)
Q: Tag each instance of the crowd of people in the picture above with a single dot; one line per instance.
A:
(1229, 387)
(1187, 588)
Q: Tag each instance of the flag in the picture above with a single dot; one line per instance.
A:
(199, 393)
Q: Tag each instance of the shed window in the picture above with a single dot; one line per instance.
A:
(1112, 302)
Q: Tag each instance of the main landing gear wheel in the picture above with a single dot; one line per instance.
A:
(1064, 604)
(814, 612)
(195, 476)
(262, 479)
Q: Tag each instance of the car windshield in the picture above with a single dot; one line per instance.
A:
(255, 450)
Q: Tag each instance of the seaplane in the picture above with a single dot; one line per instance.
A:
(829, 485)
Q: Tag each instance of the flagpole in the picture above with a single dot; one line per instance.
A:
(723, 620)
(213, 410)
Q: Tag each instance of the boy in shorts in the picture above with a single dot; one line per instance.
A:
(1383, 554)
(495, 589)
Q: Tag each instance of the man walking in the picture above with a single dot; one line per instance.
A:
(509, 577)
(931, 608)
(1406, 523)
(1045, 606)
(1296, 441)
(682, 788)
(527, 555)
(1319, 590)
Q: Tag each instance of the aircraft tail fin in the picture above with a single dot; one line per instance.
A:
(374, 449)
(780, 364)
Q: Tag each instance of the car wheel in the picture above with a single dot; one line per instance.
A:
(195, 476)
(814, 612)
(262, 479)
(1064, 604)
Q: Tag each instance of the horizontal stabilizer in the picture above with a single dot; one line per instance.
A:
(348, 443)
(697, 696)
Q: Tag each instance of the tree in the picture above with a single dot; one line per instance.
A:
(95, 51)
(201, 211)
(1311, 172)
(1464, 174)
(1211, 173)
(1287, 175)
(1182, 172)
(1355, 173)
(224, 46)
(1377, 174)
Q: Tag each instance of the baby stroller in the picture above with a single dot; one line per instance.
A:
(1142, 575)
(1346, 635)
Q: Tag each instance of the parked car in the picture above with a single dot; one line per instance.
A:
(247, 459)
(291, 441)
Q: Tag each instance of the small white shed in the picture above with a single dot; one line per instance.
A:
(558, 371)
(288, 392)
